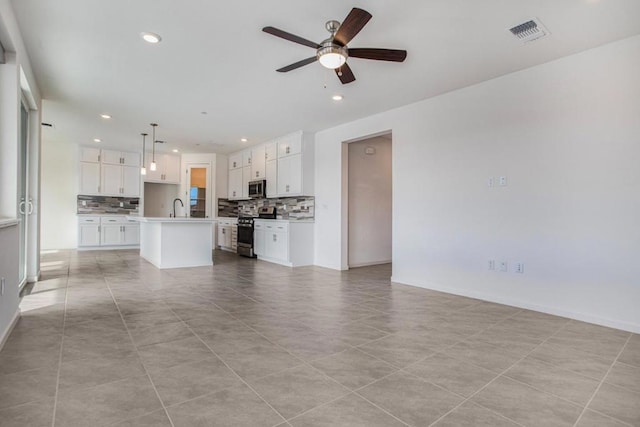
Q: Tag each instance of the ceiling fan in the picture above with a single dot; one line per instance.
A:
(333, 52)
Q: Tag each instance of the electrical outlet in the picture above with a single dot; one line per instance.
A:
(84, 203)
(503, 181)
(519, 268)
(503, 266)
(122, 204)
(490, 182)
(491, 265)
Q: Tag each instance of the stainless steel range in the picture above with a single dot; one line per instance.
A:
(245, 230)
(245, 236)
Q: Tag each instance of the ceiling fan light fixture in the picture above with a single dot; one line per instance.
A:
(332, 56)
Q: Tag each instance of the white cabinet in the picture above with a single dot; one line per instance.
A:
(271, 151)
(228, 234)
(246, 177)
(120, 180)
(88, 231)
(289, 145)
(258, 159)
(106, 231)
(235, 161)
(271, 175)
(167, 169)
(290, 175)
(284, 242)
(113, 157)
(109, 172)
(89, 178)
(246, 158)
(235, 184)
(89, 154)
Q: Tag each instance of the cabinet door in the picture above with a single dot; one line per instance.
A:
(271, 175)
(235, 161)
(130, 159)
(131, 181)
(235, 184)
(284, 165)
(111, 234)
(295, 175)
(246, 177)
(258, 241)
(89, 178)
(246, 158)
(258, 163)
(111, 179)
(88, 235)
(111, 157)
(276, 245)
(271, 151)
(131, 234)
(89, 154)
(220, 235)
(171, 168)
(289, 146)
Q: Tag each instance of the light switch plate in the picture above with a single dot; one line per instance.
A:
(503, 181)
(503, 266)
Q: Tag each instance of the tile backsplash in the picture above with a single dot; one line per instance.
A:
(294, 208)
(108, 205)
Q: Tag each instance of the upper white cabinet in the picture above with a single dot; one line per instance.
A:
(109, 172)
(112, 157)
(167, 169)
(89, 178)
(235, 161)
(89, 154)
(286, 164)
(258, 160)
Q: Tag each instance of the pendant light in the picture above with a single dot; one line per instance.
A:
(143, 169)
(153, 165)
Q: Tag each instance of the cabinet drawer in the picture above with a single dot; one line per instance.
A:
(113, 220)
(89, 220)
(258, 226)
(281, 227)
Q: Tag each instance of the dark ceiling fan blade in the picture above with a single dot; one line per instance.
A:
(298, 64)
(345, 74)
(352, 24)
(394, 55)
(291, 37)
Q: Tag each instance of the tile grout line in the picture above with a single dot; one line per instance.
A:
(499, 376)
(138, 354)
(64, 322)
(584, 410)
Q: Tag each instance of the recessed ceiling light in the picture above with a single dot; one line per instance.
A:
(175, 150)
(243, 139)
(97, 140)
(337, 97)
(105, 116)
(151, 37)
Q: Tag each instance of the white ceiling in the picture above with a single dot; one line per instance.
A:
(89, 58)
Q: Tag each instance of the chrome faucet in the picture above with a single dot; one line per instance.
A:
(174, 205)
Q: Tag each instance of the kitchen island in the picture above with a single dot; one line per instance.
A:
(176, 242)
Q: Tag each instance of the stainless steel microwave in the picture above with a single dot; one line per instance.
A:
(258, 189)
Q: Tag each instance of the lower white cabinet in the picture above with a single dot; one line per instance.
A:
(104, 231)
(228, 234)
(284, 242)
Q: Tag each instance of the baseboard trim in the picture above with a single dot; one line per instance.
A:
(5, 334)
(589, 318)
(368, 264)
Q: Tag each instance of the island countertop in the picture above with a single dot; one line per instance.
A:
(172, 220)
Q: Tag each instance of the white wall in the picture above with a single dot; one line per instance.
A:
(567, 136)
(370, 202)
(158, 199)
(59, 171)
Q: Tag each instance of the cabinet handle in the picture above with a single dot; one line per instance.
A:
(257, 174)
(287, 149)
(249, 160)
(287, 188)
(99, 228)
(275, 237)
(98, 188)
(266, 156)
(98, 157)
(234, 164)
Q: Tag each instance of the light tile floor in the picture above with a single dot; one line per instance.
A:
(107, 339)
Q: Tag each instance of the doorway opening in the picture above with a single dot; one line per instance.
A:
(369, 201)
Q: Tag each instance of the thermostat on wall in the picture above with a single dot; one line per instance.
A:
(370, 150)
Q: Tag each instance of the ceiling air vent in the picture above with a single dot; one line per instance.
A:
(529, 31)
